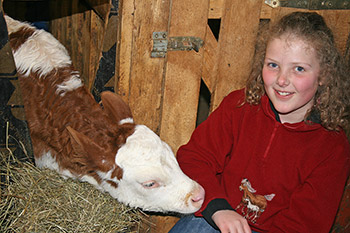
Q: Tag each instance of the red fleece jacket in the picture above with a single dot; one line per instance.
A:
(302, 167)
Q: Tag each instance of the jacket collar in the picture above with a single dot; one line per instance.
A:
(313, 121)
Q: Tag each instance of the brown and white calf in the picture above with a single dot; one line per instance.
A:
(75, 136)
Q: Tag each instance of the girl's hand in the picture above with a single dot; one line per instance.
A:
(229, 221)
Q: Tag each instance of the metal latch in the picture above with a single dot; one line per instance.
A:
(311, 4)
(162, 44)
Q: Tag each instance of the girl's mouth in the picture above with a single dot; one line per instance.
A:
(284, 93)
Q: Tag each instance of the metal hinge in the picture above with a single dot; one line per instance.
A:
(162, 44)
(311, 4)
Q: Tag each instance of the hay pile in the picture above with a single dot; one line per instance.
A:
(35, 200)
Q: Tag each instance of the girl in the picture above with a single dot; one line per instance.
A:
(274, 157)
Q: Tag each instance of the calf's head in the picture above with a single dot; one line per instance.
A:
(143, 172)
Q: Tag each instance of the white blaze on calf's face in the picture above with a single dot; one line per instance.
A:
(152, 178)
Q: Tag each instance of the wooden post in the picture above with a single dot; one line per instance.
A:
(183, 73)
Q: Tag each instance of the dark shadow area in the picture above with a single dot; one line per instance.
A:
(203, 104)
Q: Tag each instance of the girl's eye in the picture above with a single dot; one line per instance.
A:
(299, 69)
(272, 65)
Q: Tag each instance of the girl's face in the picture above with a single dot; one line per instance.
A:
(290, 75)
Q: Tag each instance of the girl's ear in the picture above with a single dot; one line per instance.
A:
(115, 107)
(321, 81)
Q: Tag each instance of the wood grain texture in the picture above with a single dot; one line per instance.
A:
(141, 77)
(82, 33)
(183, 73)
(239, 28)
(210, 60)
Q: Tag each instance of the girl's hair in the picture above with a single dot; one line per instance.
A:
(332, 97)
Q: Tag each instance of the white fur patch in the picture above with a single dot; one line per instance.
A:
(47, 161)
(70, 85)
(126, 120)
(41, 52)
(90, 180)
(67, 174)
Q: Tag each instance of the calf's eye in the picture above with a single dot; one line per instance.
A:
(150, 184)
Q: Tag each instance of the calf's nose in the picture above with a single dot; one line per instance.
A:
(197, 198)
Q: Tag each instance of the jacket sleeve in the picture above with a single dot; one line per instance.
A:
(203, 157)
(314, 204)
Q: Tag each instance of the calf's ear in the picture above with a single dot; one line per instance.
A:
(87, 152)
(115, 107)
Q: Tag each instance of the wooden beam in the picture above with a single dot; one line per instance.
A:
(216, 8)
(141, 77)
(210, 59)
(236, 46)
(183, 73)
(125, 53)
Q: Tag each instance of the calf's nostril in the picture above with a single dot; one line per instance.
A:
(198, 196)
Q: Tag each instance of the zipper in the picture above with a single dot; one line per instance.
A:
(271, 139)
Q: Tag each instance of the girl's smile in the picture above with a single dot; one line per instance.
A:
(290, 75)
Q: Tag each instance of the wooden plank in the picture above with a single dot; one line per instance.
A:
(216, 8)
(141, 77)
(82, 33)
(236, 44)
(265, 12)
(97, 32)
(73, 32)
(183, 73)
(100, 7)
(210, 65)
(127, 15)
(146, 80)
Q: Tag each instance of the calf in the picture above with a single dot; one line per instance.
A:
(78, 138)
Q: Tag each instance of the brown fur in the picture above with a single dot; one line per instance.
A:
(49, 114)
(19, 37)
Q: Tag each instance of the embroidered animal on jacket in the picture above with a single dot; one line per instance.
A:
(252, 204)
(73, 135)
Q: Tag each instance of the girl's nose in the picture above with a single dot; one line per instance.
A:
(282, 79)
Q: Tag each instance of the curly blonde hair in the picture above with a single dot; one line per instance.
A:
(332, 97)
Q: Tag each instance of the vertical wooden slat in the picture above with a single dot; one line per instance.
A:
(74, 34)
(216, 8)
(210, 60)
(141, 77)
(127, 15)
(183, 73)
(146, 80)
(100, 7)
(238, 32)
(97, 31)
(81, 33)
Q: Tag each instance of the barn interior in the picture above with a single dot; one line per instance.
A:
(171, 90)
